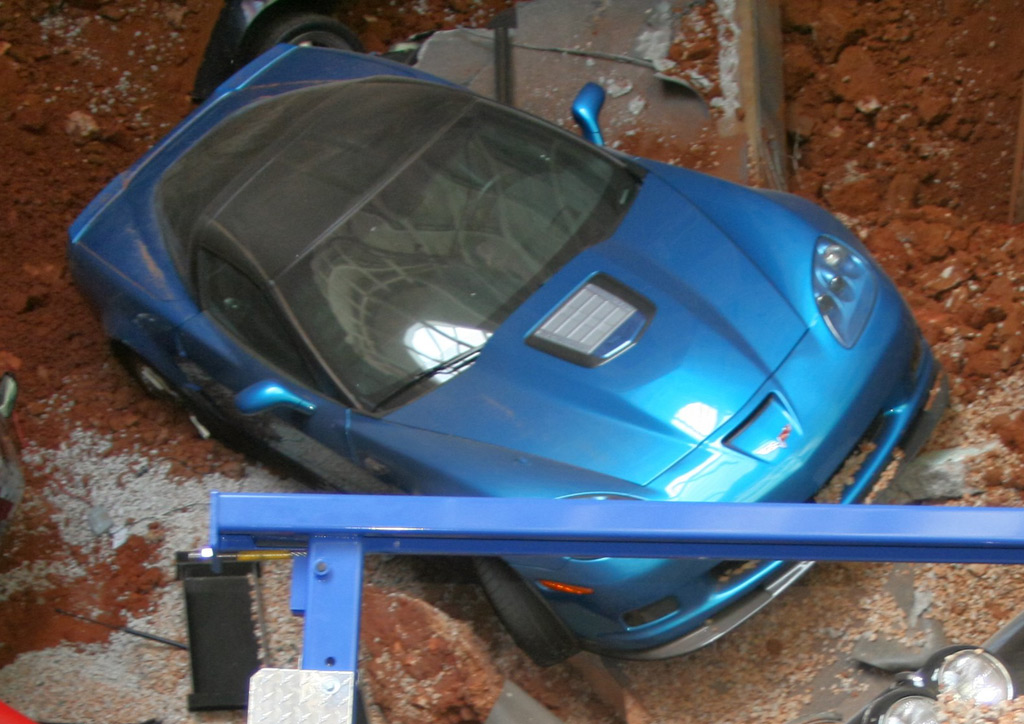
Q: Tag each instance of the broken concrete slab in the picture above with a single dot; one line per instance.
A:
(895, 655)
(560, 46)
(936, 475)
(625, 46)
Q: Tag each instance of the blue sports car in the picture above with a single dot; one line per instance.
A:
(361, 266)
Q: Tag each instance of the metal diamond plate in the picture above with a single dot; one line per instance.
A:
(292, 696)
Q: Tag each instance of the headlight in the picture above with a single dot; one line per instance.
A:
(844, 287)
(971, 675)
(910, 708)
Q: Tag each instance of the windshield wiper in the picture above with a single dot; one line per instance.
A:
(455, 364)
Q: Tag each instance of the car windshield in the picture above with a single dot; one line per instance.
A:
(402, 222)
(427, 268)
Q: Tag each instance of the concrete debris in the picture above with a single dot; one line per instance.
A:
(937, 475)
(868, 106)
(922, 602)
(617, 89)
(119, 537)
(895, 655)
(515, 706)
(560, 46)
(81, 125)
(654, 40)
(461, 56)
(908, 649)
(695, 80)
(888, 655)
(100, 521)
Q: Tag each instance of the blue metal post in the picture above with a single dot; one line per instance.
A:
(334, 584)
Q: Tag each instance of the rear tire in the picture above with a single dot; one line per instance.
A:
(534, 626)
(314, 29)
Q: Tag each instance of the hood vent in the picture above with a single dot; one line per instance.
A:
(600, 320)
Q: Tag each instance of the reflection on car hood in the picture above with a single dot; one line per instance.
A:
(718, 329)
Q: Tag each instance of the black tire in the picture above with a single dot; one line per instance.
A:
(533, 625)
(315, 29)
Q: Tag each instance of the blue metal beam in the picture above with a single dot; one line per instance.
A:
(529, 526)
(335, 531)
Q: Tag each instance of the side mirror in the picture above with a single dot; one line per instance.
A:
(585, 111)
(269, 394)
(8, 394)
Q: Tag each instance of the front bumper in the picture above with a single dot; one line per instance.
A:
(913, 437)
(729, 618)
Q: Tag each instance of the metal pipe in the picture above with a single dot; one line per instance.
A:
(504, 89)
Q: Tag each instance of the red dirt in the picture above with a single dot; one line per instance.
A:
(903, 116)
(31, 620)
(433, 663)
(57, 154)
(929, 91)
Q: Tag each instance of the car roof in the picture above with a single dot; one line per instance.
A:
(280, 173)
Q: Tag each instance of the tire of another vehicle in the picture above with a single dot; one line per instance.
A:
(533, 625)
(315, 29)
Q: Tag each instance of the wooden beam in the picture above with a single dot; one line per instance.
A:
(1017, 185)
(761, 90)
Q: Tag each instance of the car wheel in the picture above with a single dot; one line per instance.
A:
(533, 625)
(315, 29)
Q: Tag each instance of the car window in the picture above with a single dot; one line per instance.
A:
(235, 301)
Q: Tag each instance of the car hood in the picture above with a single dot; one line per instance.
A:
(716, 329)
